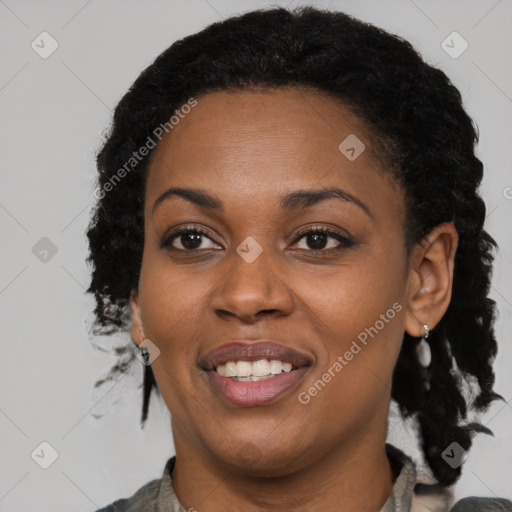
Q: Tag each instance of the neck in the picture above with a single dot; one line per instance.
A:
(356, 474)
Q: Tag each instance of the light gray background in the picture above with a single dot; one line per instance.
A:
(53, 112)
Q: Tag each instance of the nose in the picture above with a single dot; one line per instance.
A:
(249, 291)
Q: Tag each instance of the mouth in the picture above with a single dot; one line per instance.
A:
(247, 371)
(251, 373)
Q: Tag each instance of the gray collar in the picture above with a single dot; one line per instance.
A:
(403, 489)
(399, 501)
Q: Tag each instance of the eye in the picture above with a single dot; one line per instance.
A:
(318, 240)
(195, 238)
(189, 239)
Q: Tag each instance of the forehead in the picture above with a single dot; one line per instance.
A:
(245, 145)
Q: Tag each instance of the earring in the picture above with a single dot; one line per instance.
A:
(423, 348)
(144, 353)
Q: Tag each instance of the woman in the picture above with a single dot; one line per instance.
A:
(288, 204)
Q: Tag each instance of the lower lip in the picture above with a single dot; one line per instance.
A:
(253, 393)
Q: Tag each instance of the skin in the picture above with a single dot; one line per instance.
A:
(249, 149)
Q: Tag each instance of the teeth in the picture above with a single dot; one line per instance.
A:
(230, 369)
(243, 368)
(252, 378)
(260, 368)
(276, 366)
(252, 371)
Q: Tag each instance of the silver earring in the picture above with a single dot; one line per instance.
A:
(146, 358)
(423, 349)
(143, 351)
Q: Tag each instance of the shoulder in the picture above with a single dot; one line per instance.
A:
(145, 499)
(482, 505)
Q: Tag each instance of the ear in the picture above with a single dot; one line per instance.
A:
(430, 278)
(137, 330)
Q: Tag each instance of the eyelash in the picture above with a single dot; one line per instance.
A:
(344, 241)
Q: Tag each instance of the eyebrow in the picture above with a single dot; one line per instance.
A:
(292, 201)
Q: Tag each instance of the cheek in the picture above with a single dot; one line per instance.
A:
(357, 311)
(172, 311)
(172, 318)
(351, 297)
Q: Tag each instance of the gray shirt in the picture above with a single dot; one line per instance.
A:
(158, 495)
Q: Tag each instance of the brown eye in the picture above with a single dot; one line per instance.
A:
(189, 240)
(317, 239)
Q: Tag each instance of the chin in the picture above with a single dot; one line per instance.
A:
(261, 459)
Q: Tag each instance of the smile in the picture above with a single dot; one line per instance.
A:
(253, 371)
(250, 374)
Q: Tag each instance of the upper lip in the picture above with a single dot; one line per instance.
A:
(246, 350)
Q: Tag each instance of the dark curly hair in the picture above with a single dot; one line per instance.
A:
(425, 138)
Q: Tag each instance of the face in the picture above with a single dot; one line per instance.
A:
(322, 278)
